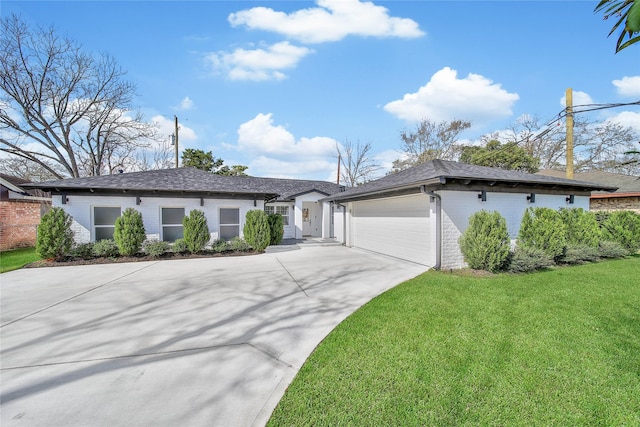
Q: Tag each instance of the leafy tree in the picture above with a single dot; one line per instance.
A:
(430, 140)
(628, 12)
(72, 105)
(129, 232)
(195, 231)
(356, 167)
(235, 170)
(543, 229)
(205, 161)
(504, 156)
(256, 230)
(485, 243)
(200, 160)
(55, 237)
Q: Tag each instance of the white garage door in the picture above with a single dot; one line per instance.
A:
(402, 227)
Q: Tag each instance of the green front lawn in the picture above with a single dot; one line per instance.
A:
(560, 347)
(17, 258)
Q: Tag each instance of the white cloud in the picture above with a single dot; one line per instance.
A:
(445, 97)
(627, 119)
(166, 127)
(331, 21)
(579, 98)
(258, 64)
(274, 151)
(186, 104)
(628, 86)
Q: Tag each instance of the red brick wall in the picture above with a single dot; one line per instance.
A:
(18, 223)
(615, 204)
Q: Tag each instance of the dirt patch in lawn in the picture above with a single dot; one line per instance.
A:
(136, 258)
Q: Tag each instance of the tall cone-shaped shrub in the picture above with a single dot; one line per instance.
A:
(55, 237)
(485, 243)
(196, 231)
(581, 226)
(256, 230)
(129, 232)
(276, 228)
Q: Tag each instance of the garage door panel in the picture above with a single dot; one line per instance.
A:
(399, 227)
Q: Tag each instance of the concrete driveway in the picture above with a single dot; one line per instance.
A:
(204, 342)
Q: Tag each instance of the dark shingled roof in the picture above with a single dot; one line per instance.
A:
(436, 173)
(190, 180)
(625, 183)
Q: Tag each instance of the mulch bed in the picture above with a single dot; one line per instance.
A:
(137, 258)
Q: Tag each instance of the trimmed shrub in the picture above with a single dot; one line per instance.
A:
(156, 248)
(196, 231)
(105, 248)
(543, 229)
(276, 228)
(179, 246)
(609, 249)
(579, 254)
(220, 245)
(129, 233)
(485, 243)
(55, 237)
(527, 259)
(83, 250)
(256, 230)
(238, 244)
(582, 227)
(623, 227)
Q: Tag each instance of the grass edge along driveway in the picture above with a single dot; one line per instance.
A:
(17, 258)
(560, 347)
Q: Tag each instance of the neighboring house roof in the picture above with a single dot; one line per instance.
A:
(628, 185)
(189, 181)
(17, 185)
(437, 174)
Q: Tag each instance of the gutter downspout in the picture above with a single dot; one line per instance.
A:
(424, 191)
(344, 223)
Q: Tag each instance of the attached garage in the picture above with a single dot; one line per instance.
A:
(402, 227)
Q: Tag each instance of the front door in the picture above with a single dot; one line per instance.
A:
(310, 219)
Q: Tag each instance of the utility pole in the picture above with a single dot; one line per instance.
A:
(338, 177)
(176, 139)
(569, 103)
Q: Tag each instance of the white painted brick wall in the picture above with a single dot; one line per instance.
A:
(458, 206)
(80, 207)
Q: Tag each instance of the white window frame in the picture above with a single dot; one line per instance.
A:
(273, 209)
(220, 224)
(163, 225)
(103, 226)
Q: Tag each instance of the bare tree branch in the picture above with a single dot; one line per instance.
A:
(357, 167)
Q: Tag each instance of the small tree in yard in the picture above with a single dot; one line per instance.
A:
(543, 228)
(129, 233)
(256, 230)
(276, 228)
(55, 237)
(485, 243)
(196, 231)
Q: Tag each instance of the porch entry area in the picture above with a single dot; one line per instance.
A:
(311, 219)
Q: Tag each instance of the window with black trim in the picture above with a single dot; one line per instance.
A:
(104, 221)
(229, 223)
(172, 224)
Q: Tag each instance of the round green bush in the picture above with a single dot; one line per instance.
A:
(129, 233)
(55, 237)
(156, 248)
(256, 230)
(543, 229)
(106, 248)
(196, 231)
(623, 227)
(582, 227)
(485, 243)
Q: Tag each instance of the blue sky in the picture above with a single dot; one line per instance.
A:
(276, 84)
